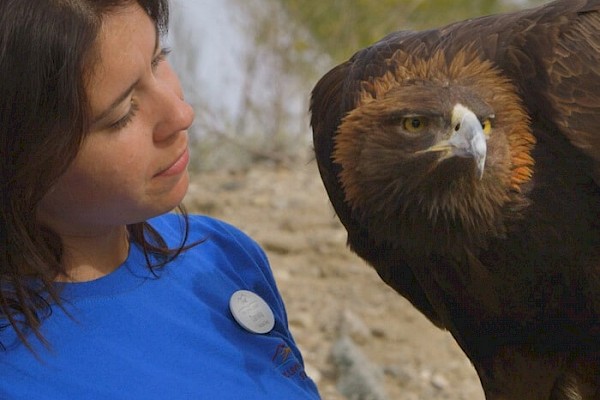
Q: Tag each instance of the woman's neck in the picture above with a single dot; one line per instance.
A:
(90, 257)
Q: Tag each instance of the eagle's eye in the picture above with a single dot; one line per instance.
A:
(486, 125)
(414, 124)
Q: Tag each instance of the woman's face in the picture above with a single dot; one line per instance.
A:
(133, 165)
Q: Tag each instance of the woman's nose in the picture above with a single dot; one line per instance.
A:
(173, 113)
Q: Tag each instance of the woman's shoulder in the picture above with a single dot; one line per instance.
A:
(217, 245)
(194, 228)
(199, 227)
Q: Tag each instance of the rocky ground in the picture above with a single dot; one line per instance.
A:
(360, 340)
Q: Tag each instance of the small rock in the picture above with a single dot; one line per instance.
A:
(231, 186)
(351, 325)
(358, 378)
(439, 382)
(302, 320)
(379, 333)
(281, 243)
(401, 374)
(282, 275)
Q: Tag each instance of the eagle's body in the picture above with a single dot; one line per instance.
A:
(492, 231)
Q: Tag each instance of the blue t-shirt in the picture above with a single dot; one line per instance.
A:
(134, 334)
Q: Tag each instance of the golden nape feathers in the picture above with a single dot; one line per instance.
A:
(462, 162)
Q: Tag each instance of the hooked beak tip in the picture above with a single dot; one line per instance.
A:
(480, 168)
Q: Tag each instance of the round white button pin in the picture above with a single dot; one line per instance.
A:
(251, 312)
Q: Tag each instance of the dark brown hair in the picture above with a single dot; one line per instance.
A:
(47, 48)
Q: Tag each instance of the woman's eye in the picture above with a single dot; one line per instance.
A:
(123, 122)
(160, 57)
(414, 124)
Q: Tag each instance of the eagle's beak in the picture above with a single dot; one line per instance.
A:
(467, 139)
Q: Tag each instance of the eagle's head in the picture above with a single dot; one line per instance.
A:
(436, 145)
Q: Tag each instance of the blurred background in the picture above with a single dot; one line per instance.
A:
(248, 66)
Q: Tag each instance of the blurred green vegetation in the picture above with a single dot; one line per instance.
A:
(340, 27)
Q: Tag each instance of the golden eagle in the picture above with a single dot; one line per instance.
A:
(464, 164)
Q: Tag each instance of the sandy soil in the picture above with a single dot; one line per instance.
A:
(328, 290)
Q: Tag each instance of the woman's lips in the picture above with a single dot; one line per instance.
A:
(178, 166)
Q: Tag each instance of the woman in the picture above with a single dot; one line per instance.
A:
(102, 294)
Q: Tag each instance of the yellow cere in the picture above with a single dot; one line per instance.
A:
(486, 125)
